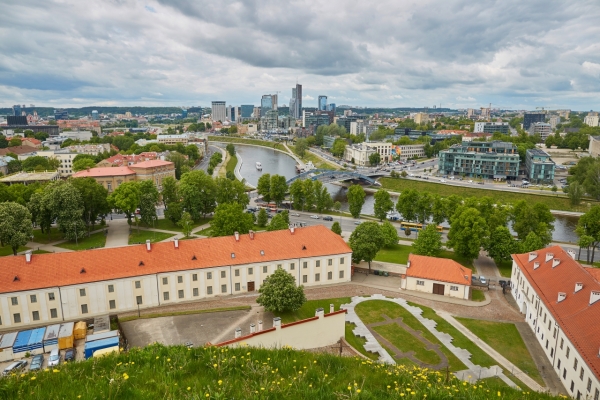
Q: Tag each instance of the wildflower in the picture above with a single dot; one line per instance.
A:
(215, 365)
(357, 390)
(349, 388)
(189, 388)
(220, 382)
(157, 357)
(33, 378)
(499, 394)
(168, 360)
(207, 395)
(314, 362)
(55, 370)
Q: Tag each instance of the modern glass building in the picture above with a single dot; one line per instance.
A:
(491, 160)
(266, 104)
(532, 118)
(16, 110)
(322, 103)
(539, 167)
(61, 115)
(331, 107)
(246, 110)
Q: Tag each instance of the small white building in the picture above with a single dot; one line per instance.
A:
(437, 276)
(360, 152)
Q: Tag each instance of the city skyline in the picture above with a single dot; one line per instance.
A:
(456, 54)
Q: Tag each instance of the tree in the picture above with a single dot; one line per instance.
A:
(301, 147)
(262, 218)
(179, 162)
(575, 193)
(169, 192)
(67, 209)
(126, 197)
(83, 164)
(406, 204)
(35, 163)
(174, 212)
(428, 242)
(148, 201)
(277, 223)
(589, 225)
(230, 149)
(404, 174)
(122, 142)
(339, 147)
(390, 234)
(310, 196)
(198, 193)
(337, 206)
(15, 225)
(297, 194)
(336, 228)
(424, 207)
(438, 210)
(14, 142)
(374, 159)
(277, 188)
(383, 204)
(323, 199)
(356, 199)
(501, 244)
(186, 223)
(279, 293)
(528, 218)
(94, 197)
(468, 231)
(263, 187)
(531, 243)
(14, 166)
(229, 191)
(554, 189)
(41, 213)
(365, 242)
(230, 218)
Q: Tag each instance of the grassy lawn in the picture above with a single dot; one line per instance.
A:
(45, 238)
(370, 311)
(7, 250)
(308, 309)
(399, 254)
(208, 231)
(505, 268)
(555, 203)
(166, 225)
(95, 241)
(477, 295)
(148, 235)
(358, 343)
(317, 161)
(406, 342)
(41, 252)
(189, 312)
(505, 339)
(231, 164)
(240, 140)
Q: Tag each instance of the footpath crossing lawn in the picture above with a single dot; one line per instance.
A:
(96, 240)
(54, 236)
(144, 235)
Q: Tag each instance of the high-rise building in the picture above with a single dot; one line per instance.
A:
(232, 113)
(246, 110)
(532, 118)
(16, 110)
(296, 111)
(470, 112)
(331, 107)
(256, 113)
(266, 104)
(274, 101)
(94, 115)
(61, 115)
(218, 111)
(540, 128)
(322, 104)
(184, 114)
(591, 119)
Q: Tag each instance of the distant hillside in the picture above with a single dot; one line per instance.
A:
(80, 112)
(158, 372)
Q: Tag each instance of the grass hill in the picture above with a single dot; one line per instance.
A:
(159, 372)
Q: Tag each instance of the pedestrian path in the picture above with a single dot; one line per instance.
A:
(294, 156)
(118, 233)
(472, 373)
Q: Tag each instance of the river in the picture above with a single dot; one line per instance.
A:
(276, 162)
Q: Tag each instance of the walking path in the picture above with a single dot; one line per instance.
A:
(294, 156)
(118, 233)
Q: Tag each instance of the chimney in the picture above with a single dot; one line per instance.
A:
(571, 253)
(238, 333)
(594, 296)
(251, 233)
(578, 286)
(549, 256)
(292, 230)
(176, 242)
(536, 265)
(408, 264)
(561, 296)
(320, 312)
(148, 246)
(237, 236)
(252, 328)
(260, 326)
(532, 256)
(331, 308)
(28, 256)
(555, 262)
(277, 323)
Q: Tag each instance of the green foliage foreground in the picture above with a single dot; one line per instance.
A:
(159, 372)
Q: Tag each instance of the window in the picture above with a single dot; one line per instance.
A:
(111, 288)
(82, 292)
(318, 264)
(237, 272)
(209, 275)
(329, 275)
(265, 269)
(14, 301)
(341, 274)
(292, 266)
(554, 334)
(317, 277)
(180, 279)
(138, 299)
(17, 318)
(589, 385)
(304, 278)
(36, 317)
(112, 304)
(51, 296)
(330, 261)
(53, 313)
(545, 317)
(597, 394)
(194, 277)
(209, 290)
(84, 309)
(180, 294)
(165, 281)
(558, 365)
(342, 260)
(581, 372)
(138, 284)
(33, 298)
(454, 288)
(223, 288)
(575, 364)
(552, 352)
(305, 264)
(549, 324)
(546, 344)
(223, 274)
(562, 341)
(237, 287)
(165, 296)
(278, 266)
(568, 351)
(250, 271)
(420, 283)
(572, 385)
(195, 292)
(564, 373)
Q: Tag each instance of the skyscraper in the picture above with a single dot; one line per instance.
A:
(296, 101)
(61, 115)
(94, 115)
(247, 110)
(16, 110)
(266, 104)
(331, 107)
(322, 104)
(218, 111)
(532, 118)
(274, 101)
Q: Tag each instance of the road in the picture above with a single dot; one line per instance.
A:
(203, 164)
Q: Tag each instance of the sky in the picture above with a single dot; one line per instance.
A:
(514, 54)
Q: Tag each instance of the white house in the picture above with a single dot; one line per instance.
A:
(438, 276)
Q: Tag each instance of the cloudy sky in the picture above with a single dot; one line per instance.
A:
(457, 53)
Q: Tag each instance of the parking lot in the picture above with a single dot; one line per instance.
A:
(79, 355)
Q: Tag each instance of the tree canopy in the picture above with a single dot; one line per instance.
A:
(279, 292)
(366, 240)
(356, 199)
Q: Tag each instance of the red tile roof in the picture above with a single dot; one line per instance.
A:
(577, 318)
(105, 171)
(438, 269)
(61, 269)
(151, 163)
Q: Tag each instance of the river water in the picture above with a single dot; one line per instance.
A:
(276, 162)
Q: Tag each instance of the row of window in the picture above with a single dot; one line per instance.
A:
(35, 315)
(32, 298)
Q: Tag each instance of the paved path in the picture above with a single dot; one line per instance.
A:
(294, 156)
(118, 233)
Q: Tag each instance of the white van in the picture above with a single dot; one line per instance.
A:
(54, 358)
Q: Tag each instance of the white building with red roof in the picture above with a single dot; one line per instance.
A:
(439, 276)
(560, 300)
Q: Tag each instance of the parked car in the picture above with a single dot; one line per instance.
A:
(469, 181)
(295, 215)
(70, 355)
(327, 218)
(14, 367)
(483, 280)
(474, 278)
(502, 283)
(314, 216)
(36, 362)
(356, 222)
(54, 358)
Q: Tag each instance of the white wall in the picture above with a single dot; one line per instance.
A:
(427, 287)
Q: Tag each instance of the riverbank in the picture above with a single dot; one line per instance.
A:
(249, 142)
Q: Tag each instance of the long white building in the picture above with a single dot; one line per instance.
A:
(561, 303)
(49, 288)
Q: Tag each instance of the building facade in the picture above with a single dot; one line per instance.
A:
(540, 128)
(492, 127)
(322, 103)
(594, 148)
(532, 118)
(408, 151)
(154, 170)
(591, 119)
(421, 118)
(47, 288)
(492, 160)
(560, 301)
(539, 167)
(439, 276)
(109, 177)
(219, 113)
(246, 111)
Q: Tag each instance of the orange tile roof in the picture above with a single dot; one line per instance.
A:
(574, 314)
(104, 171)
(595, 272)
(151, 163)
(438, 269)
(62, 269)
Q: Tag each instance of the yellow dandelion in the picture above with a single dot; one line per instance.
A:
(189, 388)
(349, 388)
(357, 390)
(33, 378)
(220, 382)
(499, 394)
(55, 370)
(215, 365)
(207, 395)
